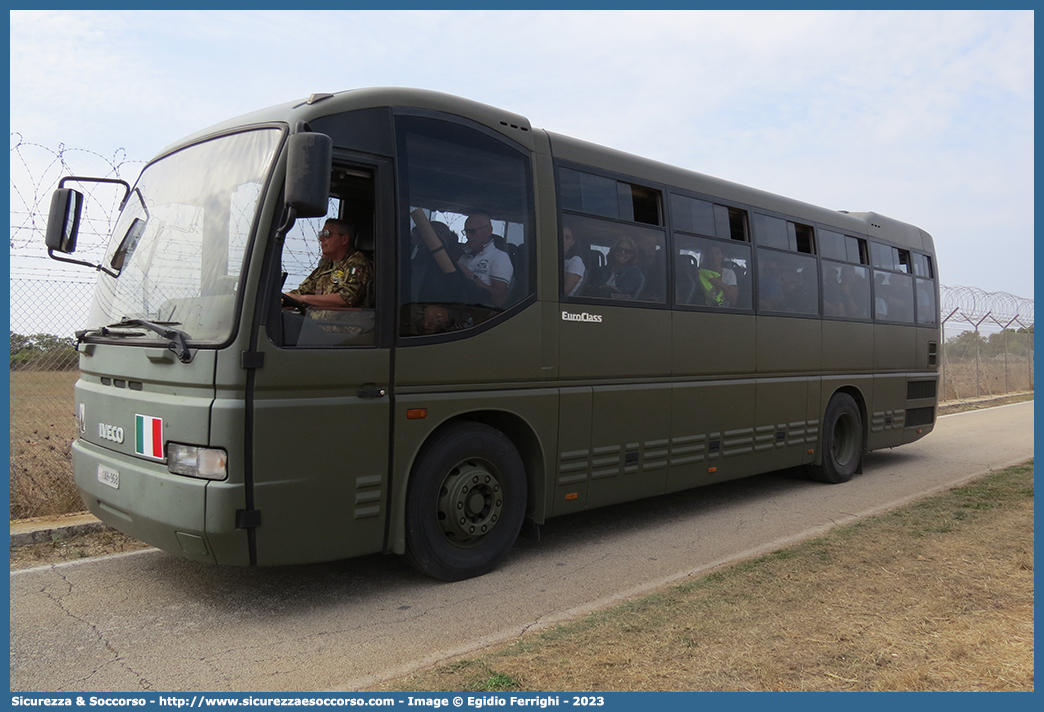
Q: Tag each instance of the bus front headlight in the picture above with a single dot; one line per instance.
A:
(192, 461)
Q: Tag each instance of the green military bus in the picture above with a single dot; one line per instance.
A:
(652, 330)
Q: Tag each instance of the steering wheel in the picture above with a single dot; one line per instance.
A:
(297, 305)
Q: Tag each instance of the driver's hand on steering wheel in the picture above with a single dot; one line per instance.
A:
(294, 302)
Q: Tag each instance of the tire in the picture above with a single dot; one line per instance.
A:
(842, 441)
(465, 502)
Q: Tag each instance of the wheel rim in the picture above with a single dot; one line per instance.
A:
(844, 445)
(471, 503)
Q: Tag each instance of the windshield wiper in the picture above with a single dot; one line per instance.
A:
(178, 339)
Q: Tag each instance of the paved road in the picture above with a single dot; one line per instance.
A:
(151, 622)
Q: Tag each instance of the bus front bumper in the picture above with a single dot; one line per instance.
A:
(144, 500)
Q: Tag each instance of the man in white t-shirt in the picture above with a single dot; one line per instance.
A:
(488, 267)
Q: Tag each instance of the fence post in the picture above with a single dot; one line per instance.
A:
(945, 359)
(978, 351)
(1004, 331)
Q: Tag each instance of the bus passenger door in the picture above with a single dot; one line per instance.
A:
(323, 391)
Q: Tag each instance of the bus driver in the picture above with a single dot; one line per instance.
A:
(343, 273)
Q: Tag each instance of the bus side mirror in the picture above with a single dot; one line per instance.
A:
(63, 223)
(308, 167)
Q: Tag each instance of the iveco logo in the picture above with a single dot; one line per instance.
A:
(110, 432)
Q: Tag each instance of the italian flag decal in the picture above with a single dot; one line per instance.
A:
(148, 436)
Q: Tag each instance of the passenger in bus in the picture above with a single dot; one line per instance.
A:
(770, 282)
(650, 261)
(844, 293)
(894, 297)
(832, 302)
(485, 265)
(436, 320)
(620, 278)
(573, 269)
(799, 292)
(343, 274)
(880, 303)
(717, 281)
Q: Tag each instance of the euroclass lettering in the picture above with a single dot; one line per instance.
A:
(589, 318)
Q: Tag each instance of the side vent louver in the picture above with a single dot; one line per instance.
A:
(916, 390)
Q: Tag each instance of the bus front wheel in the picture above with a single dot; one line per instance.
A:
(465, 502)
(842, 449)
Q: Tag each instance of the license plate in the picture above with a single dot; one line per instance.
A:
(108, 477)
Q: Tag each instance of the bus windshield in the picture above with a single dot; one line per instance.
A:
(179, 244)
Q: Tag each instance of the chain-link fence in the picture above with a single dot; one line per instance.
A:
(988, 337)
(43, 371)
(49, 301)
(988, 343)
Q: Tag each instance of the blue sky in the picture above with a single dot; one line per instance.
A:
(924, 116)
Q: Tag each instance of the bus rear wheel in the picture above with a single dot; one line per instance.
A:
(465, 503)
(842, 450)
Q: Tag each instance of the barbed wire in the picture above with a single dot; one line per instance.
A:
(976, 306)
(35, 172)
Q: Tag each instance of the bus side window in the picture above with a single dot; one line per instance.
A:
(927, 311)
(893, 297)
(352, 200)
(712, 273)
(616, 228)
(787, 282)
(465, 255)
(623, 262)
(846, 287)
(846, 290)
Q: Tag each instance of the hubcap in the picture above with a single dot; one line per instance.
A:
(471, 502)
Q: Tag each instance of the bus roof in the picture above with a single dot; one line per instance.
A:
(518, 129)
(315, 106)
(859, 223)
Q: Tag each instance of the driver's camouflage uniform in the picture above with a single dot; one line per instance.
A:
(348, 277)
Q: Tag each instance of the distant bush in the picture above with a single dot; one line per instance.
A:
(972, 344)
(43, 352)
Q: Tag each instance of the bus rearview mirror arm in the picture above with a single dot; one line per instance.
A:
(63, 220)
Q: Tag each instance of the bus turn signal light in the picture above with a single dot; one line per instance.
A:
(572, 495)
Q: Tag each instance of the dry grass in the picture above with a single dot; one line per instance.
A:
(984, 402)
(71, 548)
(935, 596)
(42, 430)
(960, 380)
